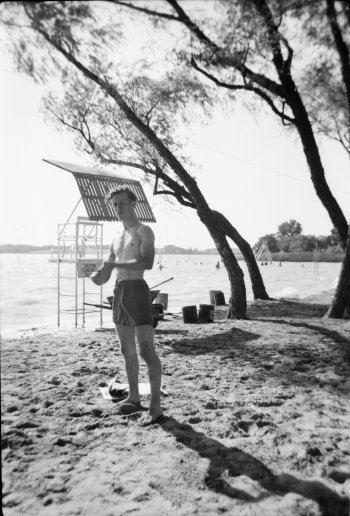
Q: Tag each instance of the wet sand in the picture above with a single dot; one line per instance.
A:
(257, 420)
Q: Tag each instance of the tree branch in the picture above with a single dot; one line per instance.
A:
(177, 191)
(282, 66)
(112, 91)
(220, 57)
(181, 194)
(166, 179)
(147, 115)
(178, 198)
(246, 87)
(344, 140)
(84, 121)
(144, 10)
(341, 46)
(192, 26)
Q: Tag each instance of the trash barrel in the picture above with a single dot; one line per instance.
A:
(206, 313)
(189, 314)
(212, 294)
(157, 308)
(219, 298)
(162, 298)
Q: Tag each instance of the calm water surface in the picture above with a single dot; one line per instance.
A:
(29, 286)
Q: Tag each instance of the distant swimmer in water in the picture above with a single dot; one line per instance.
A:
(217, 265)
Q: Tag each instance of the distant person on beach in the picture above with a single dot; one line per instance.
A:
(131, 254)
(217, 265)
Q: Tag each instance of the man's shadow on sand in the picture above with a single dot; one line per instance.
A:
(237, 462)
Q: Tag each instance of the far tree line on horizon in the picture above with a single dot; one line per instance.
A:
(289, 238)
(290, 57)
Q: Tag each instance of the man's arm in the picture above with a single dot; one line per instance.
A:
(147, 252)
(103, 275)
(111, 256)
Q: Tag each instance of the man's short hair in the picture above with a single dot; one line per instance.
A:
(120, 189)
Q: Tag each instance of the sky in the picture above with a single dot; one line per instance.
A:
(246, 165)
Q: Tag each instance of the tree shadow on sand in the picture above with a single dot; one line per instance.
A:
(159, 331)
(217, 343)
(333, 335)
(291, 363)
(286, 308)
(237, 462)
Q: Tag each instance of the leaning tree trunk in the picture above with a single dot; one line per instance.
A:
(258, 286)
(340, 306)
(341, 301)
(238, 300)
(314, 162)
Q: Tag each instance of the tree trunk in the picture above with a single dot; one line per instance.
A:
(314, 162)
(340, 306)
(258, 286)
(238, 301)
(341, 303)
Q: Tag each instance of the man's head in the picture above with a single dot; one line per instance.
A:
(123, 201)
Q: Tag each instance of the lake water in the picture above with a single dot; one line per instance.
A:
(28, 284)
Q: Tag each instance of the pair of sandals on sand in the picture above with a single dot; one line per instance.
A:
(127, 408)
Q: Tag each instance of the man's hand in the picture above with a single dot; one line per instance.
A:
(103, 275)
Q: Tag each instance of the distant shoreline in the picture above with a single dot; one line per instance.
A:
(325, 255)
(323, 298)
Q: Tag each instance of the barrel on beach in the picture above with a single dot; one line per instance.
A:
(217, 297)
(189, 314)
(162, 298)
(206, 313)
(157, 308)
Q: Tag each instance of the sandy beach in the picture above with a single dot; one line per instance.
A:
(257, 419)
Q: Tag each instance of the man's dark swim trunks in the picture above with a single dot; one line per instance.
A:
(132, 304)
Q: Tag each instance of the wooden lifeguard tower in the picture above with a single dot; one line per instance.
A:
(84, 238)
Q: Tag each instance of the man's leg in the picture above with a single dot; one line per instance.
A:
(144, 336)
(126, 336)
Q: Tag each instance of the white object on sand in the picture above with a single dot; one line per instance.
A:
(123, 388)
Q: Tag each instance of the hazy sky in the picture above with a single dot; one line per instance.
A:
(248, 168)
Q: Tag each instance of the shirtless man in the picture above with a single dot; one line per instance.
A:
(131, 254)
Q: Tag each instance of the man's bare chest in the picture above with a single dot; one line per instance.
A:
(127, 245)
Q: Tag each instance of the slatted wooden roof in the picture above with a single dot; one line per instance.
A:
(94, 186)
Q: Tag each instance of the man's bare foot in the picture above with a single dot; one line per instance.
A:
(150, 418)
(127, 407)
(130, 402)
